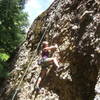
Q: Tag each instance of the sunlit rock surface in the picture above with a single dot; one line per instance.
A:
(75, 26)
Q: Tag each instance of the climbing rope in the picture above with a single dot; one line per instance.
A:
(34, 56)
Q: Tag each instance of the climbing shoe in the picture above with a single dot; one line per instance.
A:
(60, 69)
(37, 89)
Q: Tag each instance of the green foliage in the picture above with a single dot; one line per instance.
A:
(3, 58)
(13, 22)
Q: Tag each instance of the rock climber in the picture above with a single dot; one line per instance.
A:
(45, 53)
(46, 49)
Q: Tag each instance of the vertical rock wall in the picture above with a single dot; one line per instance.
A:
(75, 26)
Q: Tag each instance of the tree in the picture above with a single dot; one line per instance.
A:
(13, 22)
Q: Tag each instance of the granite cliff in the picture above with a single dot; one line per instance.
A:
(75, 26)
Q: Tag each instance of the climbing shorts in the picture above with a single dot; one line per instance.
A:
(43, 61)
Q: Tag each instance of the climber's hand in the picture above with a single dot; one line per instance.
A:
(57, 48)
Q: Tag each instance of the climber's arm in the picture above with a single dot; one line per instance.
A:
(51, 48)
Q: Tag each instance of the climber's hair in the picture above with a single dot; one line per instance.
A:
(44, 43)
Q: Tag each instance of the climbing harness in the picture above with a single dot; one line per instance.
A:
(34, 56)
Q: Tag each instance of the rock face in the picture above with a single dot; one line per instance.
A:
(75, 26)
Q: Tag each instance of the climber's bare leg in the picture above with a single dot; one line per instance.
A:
(54, 60)
(42, 74)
